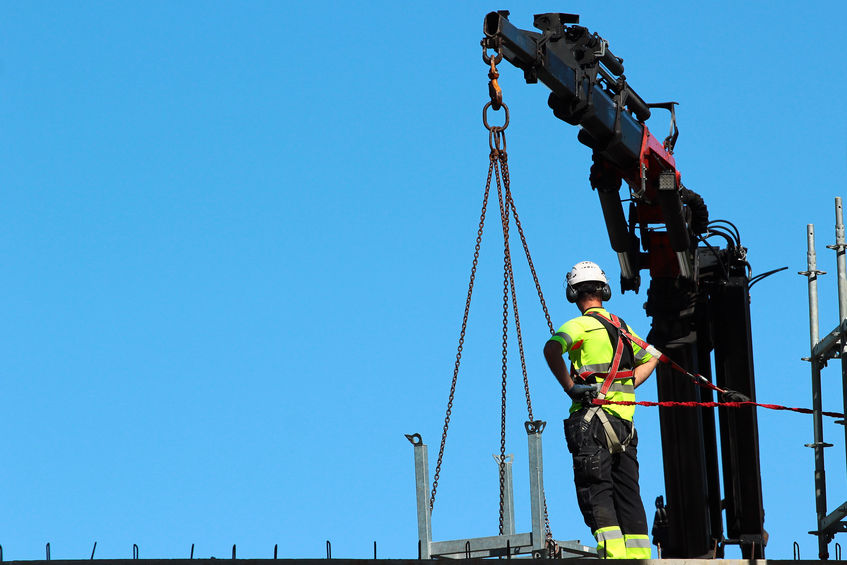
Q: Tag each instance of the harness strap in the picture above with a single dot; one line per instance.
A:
(703, 381)
(615, 321)
(616, 360)
(619, 376)
(613, 370)
(614, 443)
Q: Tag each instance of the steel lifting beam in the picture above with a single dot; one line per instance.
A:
(421, 492)
(510, 543)
(508, 494)
(536, 482)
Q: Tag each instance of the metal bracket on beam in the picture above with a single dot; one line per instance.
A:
(817, 444)
(823, 349)
(832, 523)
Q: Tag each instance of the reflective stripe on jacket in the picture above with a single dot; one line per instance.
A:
(590, 350)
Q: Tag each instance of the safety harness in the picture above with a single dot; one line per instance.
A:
(624, 358)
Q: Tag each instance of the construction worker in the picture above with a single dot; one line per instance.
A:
(602, 439)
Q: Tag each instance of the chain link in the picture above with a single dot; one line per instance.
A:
(497, 143)
(504, 214)
(510, 204)
(507, 269)
(526, 251)
(504, 164)
(498, 168)
(493, 160)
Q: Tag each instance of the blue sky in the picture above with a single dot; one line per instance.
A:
(236, 239)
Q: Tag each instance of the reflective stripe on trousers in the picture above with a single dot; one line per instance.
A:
(607, 485)
(637, 546)
(610, 543)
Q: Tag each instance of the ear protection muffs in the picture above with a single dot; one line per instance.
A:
(607, 292)
(571, 293)
(587, 272)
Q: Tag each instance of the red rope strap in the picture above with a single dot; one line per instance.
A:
(697, 378)
(668, 403)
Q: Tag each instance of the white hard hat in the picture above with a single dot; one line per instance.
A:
(586, 271)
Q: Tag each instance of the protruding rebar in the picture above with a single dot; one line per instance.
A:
(92, 551)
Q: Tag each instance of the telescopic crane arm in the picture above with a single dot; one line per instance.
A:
(589, 90)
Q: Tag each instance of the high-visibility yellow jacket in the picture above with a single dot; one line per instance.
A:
(590, 350)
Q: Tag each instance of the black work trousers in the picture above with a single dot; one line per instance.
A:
(606, 484)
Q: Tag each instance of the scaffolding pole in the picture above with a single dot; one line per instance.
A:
(840, 247)
(818, 444)
(833, 345)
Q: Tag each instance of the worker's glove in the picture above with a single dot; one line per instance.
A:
(584, 394)
(734, 396)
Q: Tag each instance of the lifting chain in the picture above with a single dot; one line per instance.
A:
(507, 279)
(498, 168)
(461, 338)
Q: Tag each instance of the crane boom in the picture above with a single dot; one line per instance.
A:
(698, 296)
